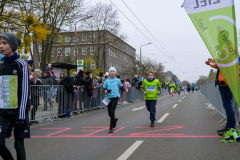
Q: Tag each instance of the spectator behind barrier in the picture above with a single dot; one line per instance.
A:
(226, 96)
(128, 85)
(80, 81)
(67, 82)
(97, 84)
(46, 92)
(35, 94)
(61, 77)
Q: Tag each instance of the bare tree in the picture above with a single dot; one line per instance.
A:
(104, 19)
(59, 15)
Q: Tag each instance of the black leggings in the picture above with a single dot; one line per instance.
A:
(19, 146)
(111, 110)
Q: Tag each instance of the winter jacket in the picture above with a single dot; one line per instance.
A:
(151, 87)
(61, 78)
(35, 93)
(104, 79)
(95, 91)
(67, 83)
(220, 80)
(80, 81)
(15, 66)
(47, 81)
(113, 84)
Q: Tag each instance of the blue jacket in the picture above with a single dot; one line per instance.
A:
(113, 85)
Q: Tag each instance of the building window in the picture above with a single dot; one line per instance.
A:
(84, 37)
(92, 37)
(109, 64)
(67, 51)
(52, 55)
(39, 61)
(40, 48)
(92, 50)
(109, 51)
(59, 51)
(74, 39)
(67, 39)
(59, 39)
(74, 63)
(84, 51)
(74, 52)
(92, 64)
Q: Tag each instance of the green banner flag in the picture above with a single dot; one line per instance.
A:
(216, 23)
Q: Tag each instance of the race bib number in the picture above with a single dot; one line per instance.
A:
(151, 88)
(106, 101)
(8, 92)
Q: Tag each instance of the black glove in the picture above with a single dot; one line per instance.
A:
(109, 91)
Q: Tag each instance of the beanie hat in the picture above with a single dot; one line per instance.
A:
(87, 73)
(98, 78)
(13, 41)
(81, 72)
(112, 69)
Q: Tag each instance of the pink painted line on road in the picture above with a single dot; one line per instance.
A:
(52, 128)
(116, 131)
(162, 127)
(58, 132)
(96, 131)
(142, 133)
(85, 136)
(93, 127)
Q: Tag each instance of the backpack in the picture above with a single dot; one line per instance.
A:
(133, 83)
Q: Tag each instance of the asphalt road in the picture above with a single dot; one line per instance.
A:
(185, 130)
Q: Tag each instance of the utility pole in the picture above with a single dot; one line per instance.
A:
(76, 53)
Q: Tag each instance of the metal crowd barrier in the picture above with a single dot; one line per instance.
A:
(51, 102)
(212, 97)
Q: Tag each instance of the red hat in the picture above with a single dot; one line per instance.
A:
(81, 72)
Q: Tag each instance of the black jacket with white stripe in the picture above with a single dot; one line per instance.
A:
(18, 67)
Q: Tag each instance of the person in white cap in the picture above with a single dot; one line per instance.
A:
(111, 86)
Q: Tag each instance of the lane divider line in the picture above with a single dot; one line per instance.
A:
(179, 100)
(130, 151)
(175, 106)
(136, 109)
(163, 117)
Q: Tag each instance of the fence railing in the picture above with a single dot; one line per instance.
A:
(212, 97)
(50, 102)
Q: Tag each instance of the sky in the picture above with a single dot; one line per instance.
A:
(173, 30)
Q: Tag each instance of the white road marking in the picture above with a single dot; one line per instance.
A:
(136, 109)
(179, 100)
(130, 151)
(175, 106)
(183, 97)
(163, 117)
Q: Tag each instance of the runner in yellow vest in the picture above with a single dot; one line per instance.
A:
(172, 88)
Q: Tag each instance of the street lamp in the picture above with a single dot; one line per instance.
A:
(141, 51)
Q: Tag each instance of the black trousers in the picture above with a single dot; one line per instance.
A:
(111, 110)
(19, 146)
(33, 111)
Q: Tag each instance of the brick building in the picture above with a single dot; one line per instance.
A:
(102, 48)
